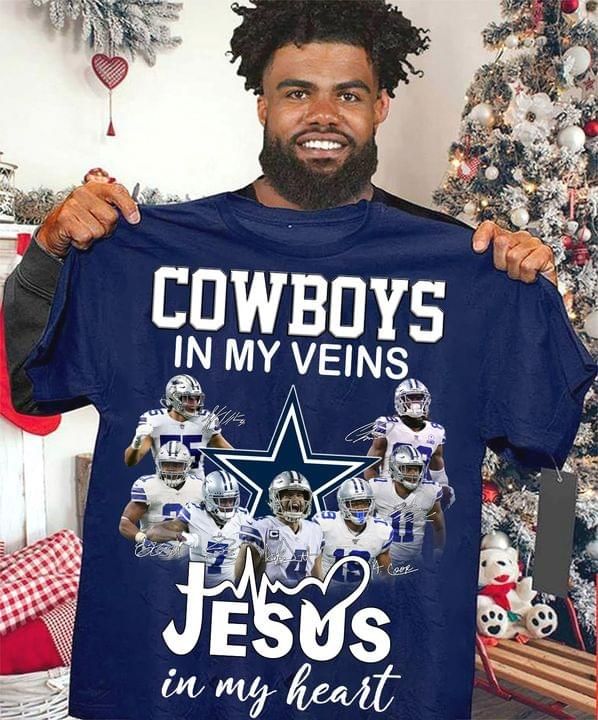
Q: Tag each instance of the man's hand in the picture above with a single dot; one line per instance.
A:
(89, 212)
(520, 254)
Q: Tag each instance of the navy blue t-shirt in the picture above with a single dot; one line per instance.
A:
(298, 325)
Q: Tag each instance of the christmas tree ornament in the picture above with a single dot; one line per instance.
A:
(578, 59)
(529, 42)
(590, 325)
(468, 169)
(496, 540)
(7, 191)
(482, 113)
(573, 138)
(571, 227)
(491, 172)
(592, 549)
(569, 6)
(511, 42)
(581, 254)
(490, 492)
(519, 217)
(470, 208)
(111, 71)
(585, 234)
(591, 128)
(568, 242)
(532, 117)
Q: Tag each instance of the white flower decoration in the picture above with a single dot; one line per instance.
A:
(531, 117)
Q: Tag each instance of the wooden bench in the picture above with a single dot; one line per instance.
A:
(564, 674)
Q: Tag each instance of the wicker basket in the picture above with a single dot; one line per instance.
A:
(35, 696)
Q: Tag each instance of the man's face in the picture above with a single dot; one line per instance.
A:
(320, 93)
(293, 500)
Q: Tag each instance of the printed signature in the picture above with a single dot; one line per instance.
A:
(393, 570)
(165, 550)
(223, 416)
(365, 432)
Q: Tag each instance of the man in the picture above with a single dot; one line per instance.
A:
(182, 417)
(210, 528)
(320, 105)
(154, 498)
(286, 546)
(353, 530)
(408, 503)
(411, 426)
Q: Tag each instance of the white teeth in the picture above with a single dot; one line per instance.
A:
(321, 145)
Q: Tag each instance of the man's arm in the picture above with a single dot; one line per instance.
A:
(88, 213)
(167, 530)
(28, 296)
(128, 525)
(437, 517)
(377, 449)
(219, 441)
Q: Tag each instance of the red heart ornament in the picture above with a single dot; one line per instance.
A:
(110, 70)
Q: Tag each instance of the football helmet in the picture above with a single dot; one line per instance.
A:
(288, 508)
(412, 398)
(355, 491)
(221, 494)
(173, 463)
(407, 466)
(184, 395)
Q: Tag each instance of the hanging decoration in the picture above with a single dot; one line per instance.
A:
(111, 71)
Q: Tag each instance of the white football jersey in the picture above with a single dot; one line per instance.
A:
(340, 540)
(219, 543)
(163, 502)
(289, 556)
(194, 434)
(407, 516)
(397, 433)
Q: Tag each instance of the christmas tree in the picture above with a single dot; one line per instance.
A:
(526, 158)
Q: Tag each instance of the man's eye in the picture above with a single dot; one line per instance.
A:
(295, 92)
(352, 97)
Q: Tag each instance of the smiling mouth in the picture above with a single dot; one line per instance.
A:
(321, 148)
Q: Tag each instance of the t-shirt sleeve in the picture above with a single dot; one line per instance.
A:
(66, 366)
(535, 375)
(138, 493)
(250, 533)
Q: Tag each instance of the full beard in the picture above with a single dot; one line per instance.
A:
(303, 184)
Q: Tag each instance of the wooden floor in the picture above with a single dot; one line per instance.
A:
(490, 707)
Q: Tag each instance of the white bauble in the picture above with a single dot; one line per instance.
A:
(529, 42)
(584, 234)
(470, 208)
(571, 227)
(590, 326)
(491, 172)
(581, 59)
(572, 137)
(496, 541)
(592, 549)
(511, 42)
(482, 113)
(519, 217)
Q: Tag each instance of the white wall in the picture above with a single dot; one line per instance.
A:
(187, 126)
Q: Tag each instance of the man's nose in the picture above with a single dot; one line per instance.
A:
(323, 110)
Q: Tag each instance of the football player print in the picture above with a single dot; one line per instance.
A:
(411, 426)
(408, 503)
(286, 546)
(210, 528)
(182, 417)
(354, 530)
(158, 497)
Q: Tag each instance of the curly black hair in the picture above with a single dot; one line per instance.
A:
(381, 29)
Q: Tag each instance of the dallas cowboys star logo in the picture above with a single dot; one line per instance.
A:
(289, 449)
